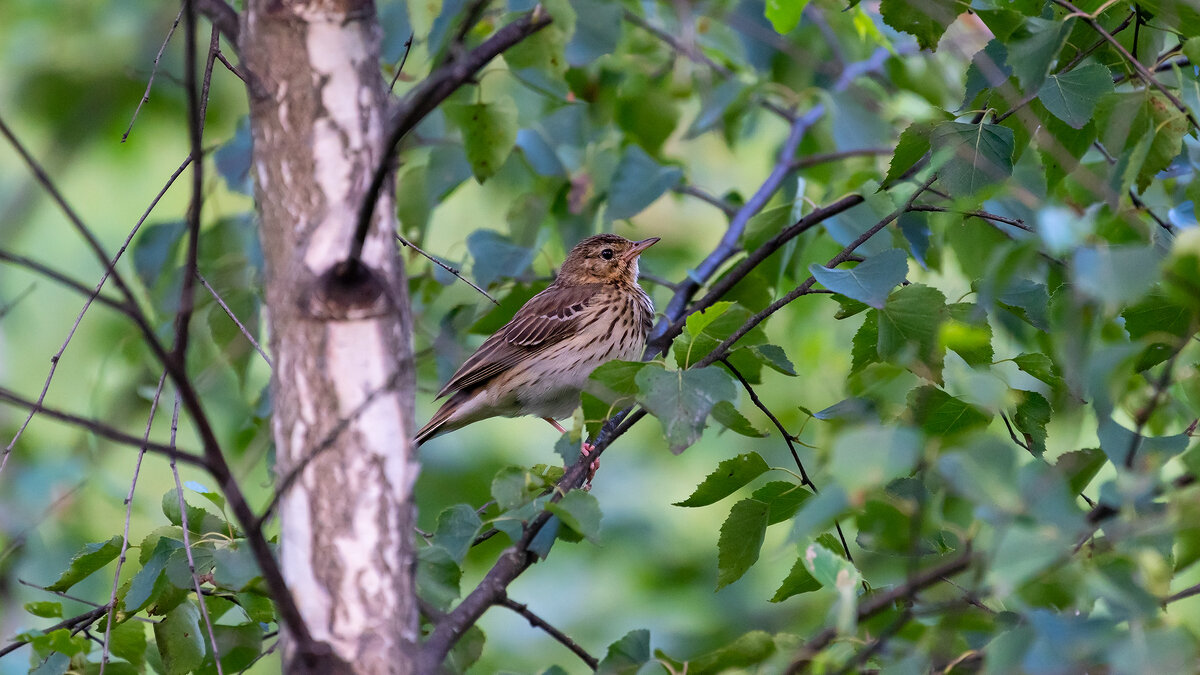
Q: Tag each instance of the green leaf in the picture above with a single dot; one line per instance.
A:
(615, 381)
(489, 133)
(748, 650)
(783, 499)
(1145, 129)
(155, 249)
(926, 21)
(626, 656)
(868, 456)
(437, 577)
(89, 559)
(940, 414)
(910, 148)
(47, 609)
(200, 521)
(968, 334)
(836, 573)
(603, 21)
(128, 641)
(976, 156)
(798, 581)
(870, 281)
(784, 15)
(180, 639)
(864, 348)
(682, 400)
(239, 646)
(456, 528)
(149, 581)
(1039, 366)
(705, 330)
(545, 49)
(1033, 414)
(1081, 466)
(729, 417)
(235, 566)
(908, 329)
(1031, 52)
(741, 538)
(730, 476)
(580, 511)
(774, 358)
(637, 182)
(1072, 96)
(496, 257)
(648, 113)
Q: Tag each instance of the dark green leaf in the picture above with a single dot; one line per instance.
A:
(180, 639)
(968, 334)
(149, 581)
(199, 520)
(1032, 51)
(1145, 129)
(239, 646)
(748, 650)
(798, 581)
(579, 511)
(1081, 466)
(497, 257)
(602, 23)
(89, 559)
(46, 609)
(741, 538)
(615, 381)
(926, 21)
(637, 182)
(1072, 96)
(682, 399)
(1033, 413)
(437, 577)
(729, 417)
(989, 69)
(626, 656)
(864, 349)
(870, 281)
(912, 146)
(235, 566)
(976, 156)
(1041, 367)
(456, 528)
(940, 414)
(729, 476)
(154, 250)
(774, 357)
(783, 499)
(128, 641)
(908, 328)
(705, 330)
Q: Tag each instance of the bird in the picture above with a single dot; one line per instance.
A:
(537, 364)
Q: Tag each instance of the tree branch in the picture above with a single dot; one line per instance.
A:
(223, 17)
(538, 622)
(422, 100)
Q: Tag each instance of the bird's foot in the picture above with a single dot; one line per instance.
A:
(586, 450)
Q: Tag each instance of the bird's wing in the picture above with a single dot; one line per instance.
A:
(548, 318)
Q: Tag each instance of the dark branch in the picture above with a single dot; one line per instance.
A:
(448, 268)
(223, 17)
(101, 429)
(422, 101)
(878, 603)
(54, 275)
(538, 622)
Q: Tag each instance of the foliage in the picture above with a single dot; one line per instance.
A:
(998, 333)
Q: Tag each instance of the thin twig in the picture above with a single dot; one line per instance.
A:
(790, 440)
(1143, 415)
(229, 312)
(538, 622)
(1015, 222)
(137, 469)
(403, 60)
(146, 96)
(187, 545)
(423, 100)
(691, 190)
(446, 267)
(824, 158)
(223, 17)
(72, 623)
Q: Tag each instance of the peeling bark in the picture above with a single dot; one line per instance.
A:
(341, 338)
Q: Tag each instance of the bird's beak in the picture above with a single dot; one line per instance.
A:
(638, 247)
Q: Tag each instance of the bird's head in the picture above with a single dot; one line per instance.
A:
(604, 258)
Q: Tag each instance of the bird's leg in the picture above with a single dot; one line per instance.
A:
(585, 450)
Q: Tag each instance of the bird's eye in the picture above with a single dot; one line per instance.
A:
(607, 254)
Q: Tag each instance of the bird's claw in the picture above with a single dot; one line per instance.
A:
(586, 450)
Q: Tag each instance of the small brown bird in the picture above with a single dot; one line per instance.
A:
(594, 312)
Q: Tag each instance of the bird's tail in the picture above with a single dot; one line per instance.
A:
(439, 423)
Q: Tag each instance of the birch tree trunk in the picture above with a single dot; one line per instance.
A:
(343, 372)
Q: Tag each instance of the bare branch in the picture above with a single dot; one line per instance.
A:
(149, 84)
(229, 312)
(100, 429)
(223, 17)
(137, 470)
(538, 622)
(446, 267)
(422, 100)
(725, 207)
(74, 623)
